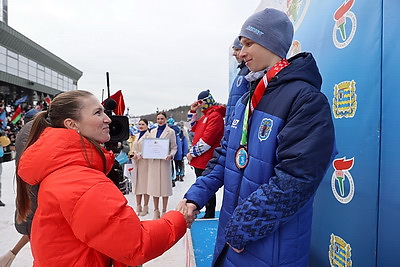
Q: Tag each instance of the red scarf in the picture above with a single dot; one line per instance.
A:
(262, 85)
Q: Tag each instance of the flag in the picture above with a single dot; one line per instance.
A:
(118, 97)
(3, 119)
(17, 115)
(47, 99)
(21, 100)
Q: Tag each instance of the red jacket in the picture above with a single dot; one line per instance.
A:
(210, 129)
(82, 218)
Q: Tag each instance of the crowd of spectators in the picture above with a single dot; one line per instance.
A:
(11, 122)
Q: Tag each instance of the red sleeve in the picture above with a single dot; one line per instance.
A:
(103, 220)
(214, 129)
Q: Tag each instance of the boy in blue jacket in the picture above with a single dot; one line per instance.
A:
(273, 155)
(239, 85)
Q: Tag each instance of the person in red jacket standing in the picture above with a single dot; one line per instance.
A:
(82, 218)
(208, 131)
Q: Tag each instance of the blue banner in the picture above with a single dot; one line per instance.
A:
(345, 36)
(389, 203)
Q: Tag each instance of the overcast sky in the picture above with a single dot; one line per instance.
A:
(160, 53)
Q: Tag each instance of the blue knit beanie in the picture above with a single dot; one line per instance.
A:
(171, 121)
(237, 44)
(270, 28)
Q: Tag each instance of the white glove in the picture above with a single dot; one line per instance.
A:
(7, 259)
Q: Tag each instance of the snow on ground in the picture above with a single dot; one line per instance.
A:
(176, 256)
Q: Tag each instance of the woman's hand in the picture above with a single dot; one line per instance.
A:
(188, 210)
(169, 157)
(182, 208)
(135, 155)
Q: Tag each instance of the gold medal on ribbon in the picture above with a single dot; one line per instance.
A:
(241, 157)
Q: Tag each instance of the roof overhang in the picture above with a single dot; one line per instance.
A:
(18, 43)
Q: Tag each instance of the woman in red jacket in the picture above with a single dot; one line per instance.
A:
(82, 218)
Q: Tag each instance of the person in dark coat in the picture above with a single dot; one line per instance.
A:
(240, 85)
(182, 150)
(273, 155)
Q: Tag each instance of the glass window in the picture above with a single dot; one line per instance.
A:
(3, 58)
(40, 74)
(23, 67)
(47, 82)
(47, 77)
(22, 59)
(32, 77)
(66, 83)
(12, 54)
(23, 74)
(53, 79)
(32, 71)
(47, 71)
(60, 82)
(3, 50)
(32, 63)
(12, 71)
(3, 67)
(12, 62)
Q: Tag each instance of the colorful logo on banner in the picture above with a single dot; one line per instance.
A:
(345, 25)
(344, 100)
(342, 182)
(339, 252)
(295, 48)
(296, 11)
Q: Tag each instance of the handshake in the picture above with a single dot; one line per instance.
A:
(189, 211)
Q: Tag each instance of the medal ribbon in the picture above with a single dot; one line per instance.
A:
(257, 95)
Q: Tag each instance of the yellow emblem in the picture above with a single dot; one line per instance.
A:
(344, 100)
(339, 252)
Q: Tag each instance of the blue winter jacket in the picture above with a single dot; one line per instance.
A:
(239, 87)
(267, 207)
(180, 152)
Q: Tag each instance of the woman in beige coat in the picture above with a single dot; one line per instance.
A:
(160, 174)
(141, 168)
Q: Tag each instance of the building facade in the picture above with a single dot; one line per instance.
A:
(27, 69)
